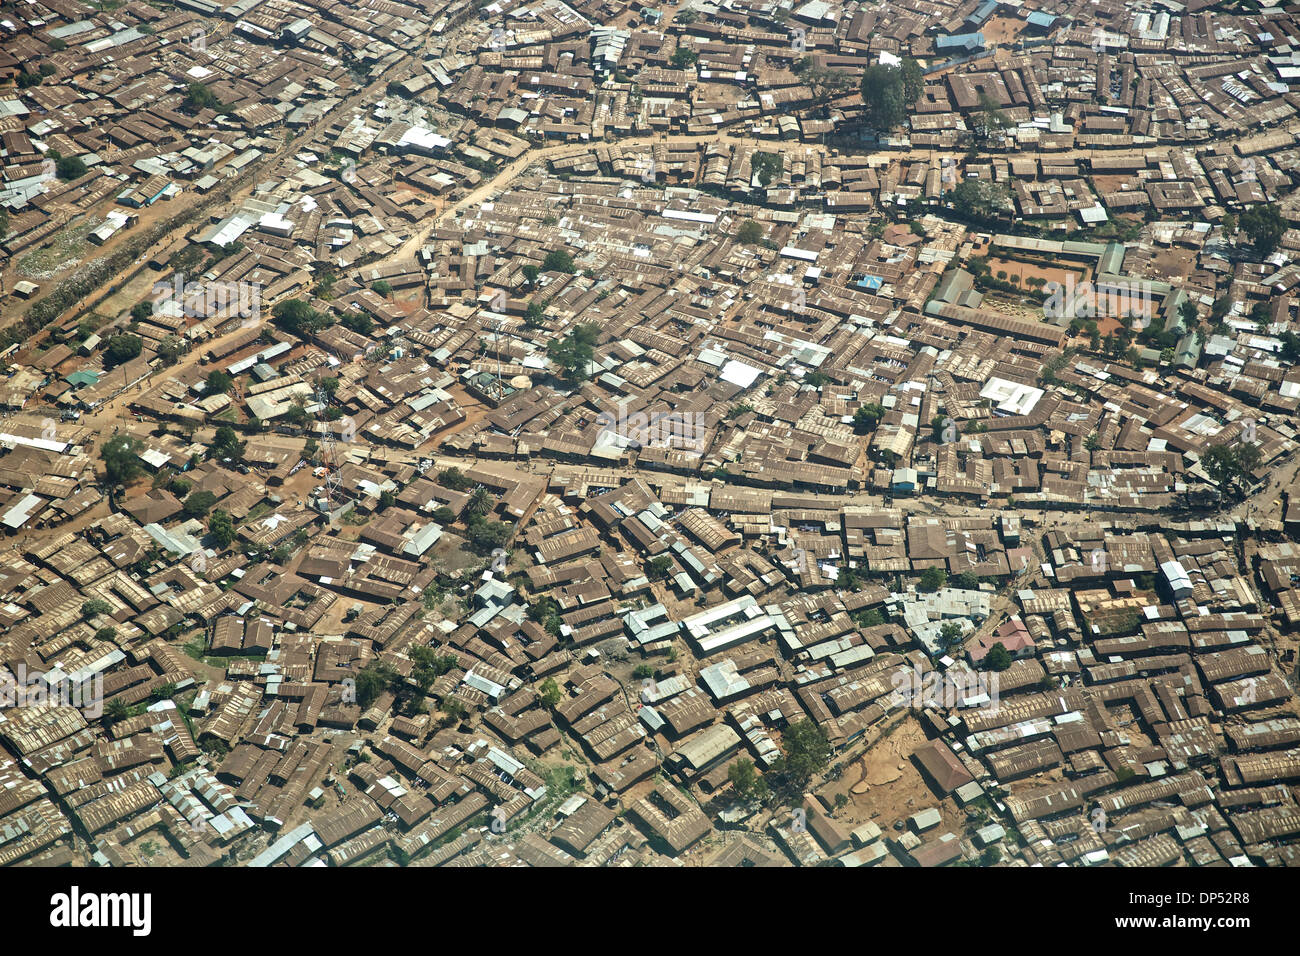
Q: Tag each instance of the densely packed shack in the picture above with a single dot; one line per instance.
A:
(592, 434)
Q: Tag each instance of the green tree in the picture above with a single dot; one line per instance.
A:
(297, 317)
(69, 168)
(871, 618)
(121, 455)
(932, 579)
(141, 311)
(575, 352)
(913, 81)
(199, 97)
(1290, 346)
(116, 710)
(95, 607)
(480, 503)
(558, 260)
(658, 568)
(549, 693)
(683, 57)
(121, 349)
(866, 418)
(806, 752)
(980, 200)
(226, 444)
(429, 665)
(198, 504)
(484, 537)
(1220, 463)
(454, 710)
(217, 383)
(941, 428)
(749, 233)
(455, 479)
(884, 95)
(221, 528)
(358, 322)
(744, 779)
(1264, 225)
(373, 680)
(998, 658)
(170, 349)
(382, 287)
(990, 119)
(531, 272)
(767, 166)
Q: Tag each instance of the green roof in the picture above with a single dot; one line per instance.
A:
(84, 377)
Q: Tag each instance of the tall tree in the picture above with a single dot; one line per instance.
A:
(884, 96)
(807, 752)
(1264, 225)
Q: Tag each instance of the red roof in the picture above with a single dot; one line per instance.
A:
(1011, 634)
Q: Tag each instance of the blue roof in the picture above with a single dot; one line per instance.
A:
(1040, 19)
(870, 282)
(968, 41)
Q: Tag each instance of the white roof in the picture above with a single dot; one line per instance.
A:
(738, 373)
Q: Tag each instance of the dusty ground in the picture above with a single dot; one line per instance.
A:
(888, 785)
(1014, 267)
(1002, 31)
